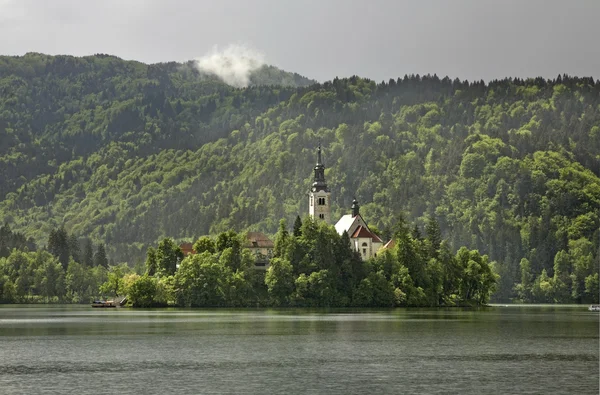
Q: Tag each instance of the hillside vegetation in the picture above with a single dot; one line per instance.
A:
(126, 154)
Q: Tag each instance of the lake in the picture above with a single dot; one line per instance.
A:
(503, 350)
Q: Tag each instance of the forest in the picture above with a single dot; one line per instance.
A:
(312, 266)
(122, 155)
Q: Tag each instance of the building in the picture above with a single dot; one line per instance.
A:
(187, 249)
(262, 248)
(362, 239)
(319, 204)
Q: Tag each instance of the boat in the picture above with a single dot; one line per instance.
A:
(594, 307)
(104, 303)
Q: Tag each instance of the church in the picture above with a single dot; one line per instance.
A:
(362, 240)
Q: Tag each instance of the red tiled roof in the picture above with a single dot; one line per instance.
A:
(187, 248)
(363, 232)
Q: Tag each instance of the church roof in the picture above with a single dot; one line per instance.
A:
(344, 223)
(187, 248)
(364, 233)
(389, 244)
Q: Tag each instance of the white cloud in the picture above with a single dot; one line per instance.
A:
(233, 65)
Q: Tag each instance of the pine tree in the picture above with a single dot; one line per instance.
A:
(58, 245)
(281, 239)
(434, 236)
(297, 227)
(100, 258)
(74, 249)
(88, 253)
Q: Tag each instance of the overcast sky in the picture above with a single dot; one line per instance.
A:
(322, 39)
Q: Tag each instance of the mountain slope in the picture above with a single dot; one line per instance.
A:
(128, 153)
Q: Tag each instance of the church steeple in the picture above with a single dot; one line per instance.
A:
(319, 197)
(355, 208)
(319, 183)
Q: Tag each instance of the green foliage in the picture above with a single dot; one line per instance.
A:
(38, 277)
(125, 154)
(168, 255)
(280, 281)
(143, 291)
(204, 244)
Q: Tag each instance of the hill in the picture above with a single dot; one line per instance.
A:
(128, 153)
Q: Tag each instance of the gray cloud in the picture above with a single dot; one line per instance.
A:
(322, 39)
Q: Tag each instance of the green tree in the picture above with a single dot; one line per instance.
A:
(297, 232)
(281, 240)
(88, 253)
(168, 255)
(204, 244)
(151, 262)
(143, 291)
(100, 258)
(280, 281)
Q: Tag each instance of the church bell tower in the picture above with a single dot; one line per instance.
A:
(319, 205)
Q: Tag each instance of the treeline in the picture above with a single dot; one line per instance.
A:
(313, 266)
(67, 270)
(128, 154)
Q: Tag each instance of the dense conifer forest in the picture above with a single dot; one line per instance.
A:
(102, 158)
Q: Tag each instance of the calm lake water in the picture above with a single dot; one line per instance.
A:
(496, 350)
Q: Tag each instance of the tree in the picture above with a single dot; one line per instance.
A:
(561, 283)
(74, 249)
(202, 281)
(100, 258)
(76, 282)
(168, 255)
(281, 240)
(434, 236)
(151, 262)
(523, 289)
(592, 288)
(229, 239)
(5, 240)
(297, 227)
(204, 244)
(314, 290)
(280, 281)
(58, 245)
(143, 291)
(115, 285)
(88, 253)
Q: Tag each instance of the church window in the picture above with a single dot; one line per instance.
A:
(364, 244)
(321, 201)
(322, 216)
(364, 251)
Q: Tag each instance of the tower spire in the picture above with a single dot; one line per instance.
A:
(319, 196)
(319, 183)
(319, 160)
(355, 207)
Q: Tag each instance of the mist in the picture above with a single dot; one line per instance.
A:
(233, 64)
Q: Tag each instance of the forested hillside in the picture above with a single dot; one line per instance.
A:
(126, 153)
